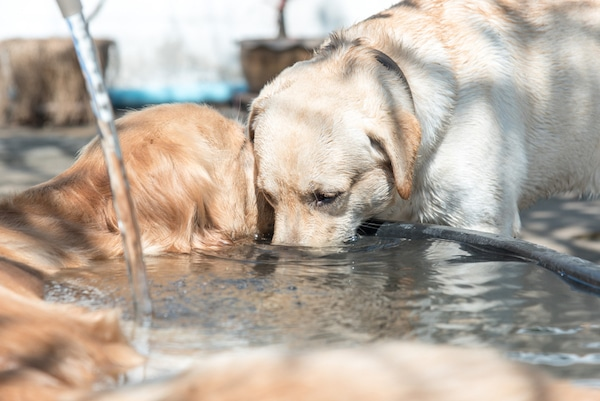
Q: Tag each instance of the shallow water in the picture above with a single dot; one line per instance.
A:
(436, 291)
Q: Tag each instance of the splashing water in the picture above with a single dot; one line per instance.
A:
(101, 105)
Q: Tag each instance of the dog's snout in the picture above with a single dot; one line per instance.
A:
(298, 226)
(288, 225)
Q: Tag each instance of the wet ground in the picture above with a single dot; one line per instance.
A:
(29, 156)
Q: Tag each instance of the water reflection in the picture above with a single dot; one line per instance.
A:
(435, 291)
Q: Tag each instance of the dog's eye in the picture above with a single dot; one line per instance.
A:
(325, 198)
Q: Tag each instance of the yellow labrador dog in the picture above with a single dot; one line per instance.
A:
(454, 112)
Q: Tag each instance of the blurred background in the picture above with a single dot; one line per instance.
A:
(158, 51)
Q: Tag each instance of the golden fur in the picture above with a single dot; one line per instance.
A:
(190, 172)
(49, 350)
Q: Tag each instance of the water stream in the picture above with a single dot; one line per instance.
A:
(101, 105)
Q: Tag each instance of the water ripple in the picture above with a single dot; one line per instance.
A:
(557, 359)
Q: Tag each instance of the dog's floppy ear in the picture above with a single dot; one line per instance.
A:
(401, 145)
(401, 142)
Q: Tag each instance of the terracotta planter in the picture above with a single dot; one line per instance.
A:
(264, 59)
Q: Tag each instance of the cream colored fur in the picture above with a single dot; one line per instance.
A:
(497, 105)
(385, 372)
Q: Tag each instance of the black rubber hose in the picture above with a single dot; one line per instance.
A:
(579, 271)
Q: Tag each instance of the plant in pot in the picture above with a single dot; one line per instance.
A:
(263, 59)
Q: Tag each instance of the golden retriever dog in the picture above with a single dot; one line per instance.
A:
(190, 172)
(453, 112)
(396, 371)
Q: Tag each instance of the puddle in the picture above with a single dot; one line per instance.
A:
(435, 291)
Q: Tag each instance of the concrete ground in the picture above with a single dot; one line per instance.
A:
(29, 156)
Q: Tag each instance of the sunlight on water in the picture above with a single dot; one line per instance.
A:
(434, 291)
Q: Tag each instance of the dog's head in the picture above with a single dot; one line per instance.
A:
(335, 142)
(190, 172)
